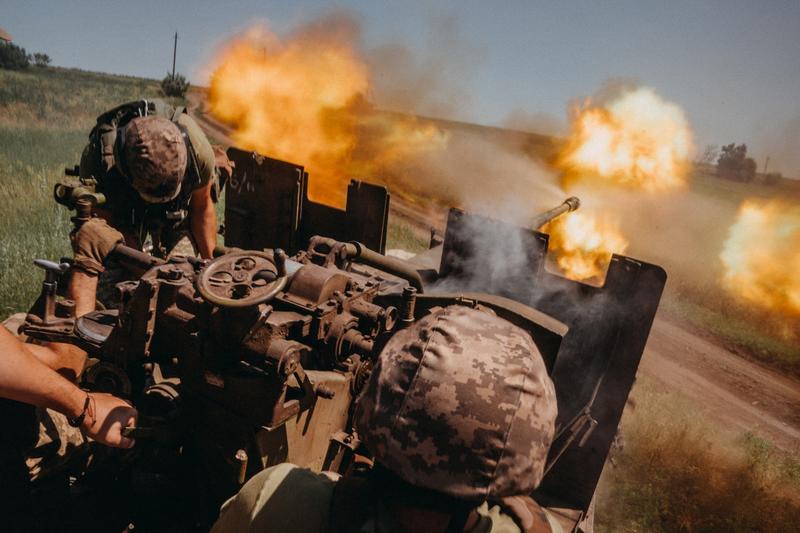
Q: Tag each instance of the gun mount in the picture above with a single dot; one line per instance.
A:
(253, 354)
(256, 357)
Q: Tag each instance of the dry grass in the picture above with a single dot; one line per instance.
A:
(677, 471)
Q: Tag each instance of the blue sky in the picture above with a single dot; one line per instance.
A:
(733, 66)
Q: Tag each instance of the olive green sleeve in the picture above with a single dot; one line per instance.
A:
(280, 499)
(202, 149)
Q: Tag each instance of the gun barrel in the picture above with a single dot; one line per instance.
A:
(135, 260)
(570, 204)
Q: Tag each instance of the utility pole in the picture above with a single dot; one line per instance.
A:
(766, 164)
(174, 52)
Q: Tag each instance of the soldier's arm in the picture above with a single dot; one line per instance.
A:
(203, 220)
(26, 379)
(202, 216)
(66, 359)
(92, 244)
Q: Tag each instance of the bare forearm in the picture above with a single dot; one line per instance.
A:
(82, 290)
(66, 359)
(25, 379)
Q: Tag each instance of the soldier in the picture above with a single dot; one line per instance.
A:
(158, 175)
(459, 414)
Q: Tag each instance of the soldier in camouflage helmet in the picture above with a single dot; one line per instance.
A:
(459, 414)
(157, 174)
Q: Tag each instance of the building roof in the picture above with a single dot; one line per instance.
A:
(4, 36)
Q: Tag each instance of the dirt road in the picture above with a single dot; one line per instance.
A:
(740, 394)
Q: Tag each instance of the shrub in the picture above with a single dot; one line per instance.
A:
(733, 163)
(174, 85)
(13, 57)
(773, 178)
(41, 60)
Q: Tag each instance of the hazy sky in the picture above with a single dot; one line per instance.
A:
(733, 66)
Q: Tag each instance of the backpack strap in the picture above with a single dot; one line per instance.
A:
(192, 177)
(104, 135)
(193, 170)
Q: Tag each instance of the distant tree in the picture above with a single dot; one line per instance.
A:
(13, 57)
(733, 163)
(41, 60)
(174, 85)
(709, 155)
(773, 178)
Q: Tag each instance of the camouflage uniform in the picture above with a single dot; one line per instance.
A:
(161, 171)
(148, 174)
(169, 161)
(459, 405)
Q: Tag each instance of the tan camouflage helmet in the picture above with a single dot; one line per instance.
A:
(461, 403)
(154, 157)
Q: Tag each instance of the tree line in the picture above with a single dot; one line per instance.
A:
(733, 163)
(15, 57)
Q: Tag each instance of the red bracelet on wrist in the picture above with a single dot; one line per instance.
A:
(78, 420)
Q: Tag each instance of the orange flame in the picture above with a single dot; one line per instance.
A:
(582, 243)
(762, 255)
(637, 140)
(304, 99)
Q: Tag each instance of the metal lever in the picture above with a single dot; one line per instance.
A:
(52, 273)
(51, 267)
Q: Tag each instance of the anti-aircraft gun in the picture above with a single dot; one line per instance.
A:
(255, 357)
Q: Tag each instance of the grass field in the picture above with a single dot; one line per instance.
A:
(679, 471)
(45, 118)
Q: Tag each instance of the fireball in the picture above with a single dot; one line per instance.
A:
(305, 99)
(582, 244)
(637, 140)
(294, 100)
(761, 257)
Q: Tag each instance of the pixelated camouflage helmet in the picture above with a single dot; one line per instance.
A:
(153, 155)
(461, 403)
